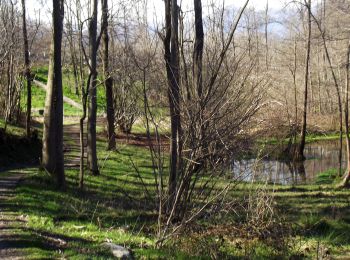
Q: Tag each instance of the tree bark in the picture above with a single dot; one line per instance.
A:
(27, 68)
(346, 179)
(266, 35)
(91, 149)
(172, 67)
(108, 79)
(198, 49)
(52, 151)
(300, 152)
(337, 89)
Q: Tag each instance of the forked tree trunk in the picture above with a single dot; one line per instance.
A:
(27, 68)
(52, 151)
(91, 149)
(300, 152)
(172, 67)
(108, 79)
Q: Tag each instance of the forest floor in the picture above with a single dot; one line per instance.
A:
(9, 220)
(40, 222)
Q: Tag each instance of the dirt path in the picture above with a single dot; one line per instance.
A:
(71, 142)
(12, 225)
(65, 99)
(9, 220)
(14, 235)
(71, 145)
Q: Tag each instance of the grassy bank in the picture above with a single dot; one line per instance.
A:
(310, 138)
(68, 90)
(16, 148)
(115, 207)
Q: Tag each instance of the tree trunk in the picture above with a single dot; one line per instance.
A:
(91, 149)
(172, 68)
(27, 68)
(337, 89)
(52, 151)
(198, 49)
(108, 79)
(84, 97)
(266, 35)
(296, 123)
(346, 179)
(300, 152)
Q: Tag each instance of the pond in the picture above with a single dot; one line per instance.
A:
(320, 157)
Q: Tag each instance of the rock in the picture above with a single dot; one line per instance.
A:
(118, 251)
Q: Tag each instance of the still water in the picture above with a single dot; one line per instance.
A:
(320, 157)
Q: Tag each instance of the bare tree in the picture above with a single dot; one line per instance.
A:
(209, 118)
(27, 67)
(336, 86)
(52, 151)
(171, 48)
(108, 79)
(10, 62)
(93, 45)
(346, 177)
(300, 152)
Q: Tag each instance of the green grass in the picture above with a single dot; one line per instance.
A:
(38, 103)
(69, 89)
(105, 211)
(323, 137)
(310, 138)
(328, 177)
(320, 215)
(115, 207)
(13, 129)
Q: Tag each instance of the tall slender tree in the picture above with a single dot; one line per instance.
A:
(27, 67)
(52, 152)
(346, 115)
(300, 151)
(108, 79)
(198, 49)
(93, 44)
(171, 48)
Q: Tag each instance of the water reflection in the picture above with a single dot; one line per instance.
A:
(320, 157)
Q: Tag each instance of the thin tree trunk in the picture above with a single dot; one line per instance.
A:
(108, 79)
(266, 34)
(27, 68)
(52, 152)
(296, 123)
(337, 89)
(84, 98)
(10, 69)
(198, 49)
(172, 68)
(346, 112)
(91, 149)
(300, 153)
(319, 83)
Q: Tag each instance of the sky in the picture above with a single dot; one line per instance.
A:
(156, 9)
(157, 6)
(258, 4)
